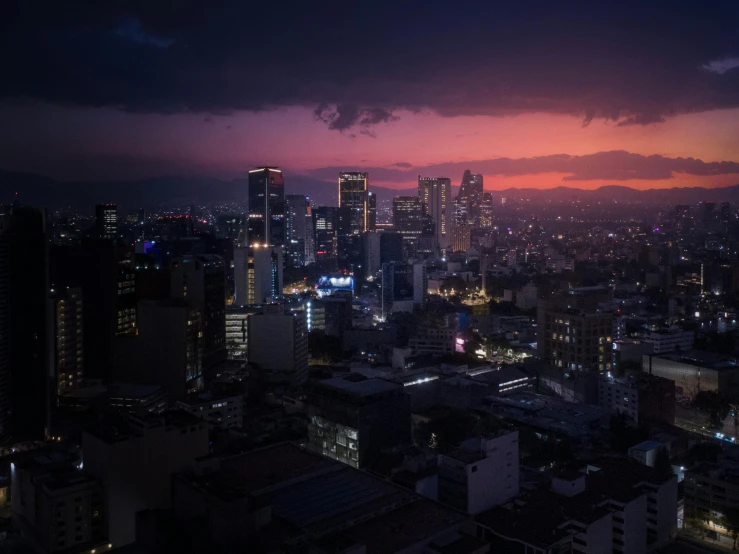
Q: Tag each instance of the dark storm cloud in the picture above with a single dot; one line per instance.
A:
(634, 63)
(612, 166)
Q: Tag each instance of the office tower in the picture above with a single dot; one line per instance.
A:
(486, 210)
(202, 281)
(5, 337)
(471, 186)
(371, 249)
(574, 334)
(105, 272)
(232, 227)
(353, 195)
(278, 344)
(297, 207)
(404, 286)
(391, 247)
(371, 211)
(57, 507)
(266, 226)
(331, 314)
(135, 459)
(354, 419)
(459, 208)
(168, 350)
(436, 193)
(470, 195)
(408, 220)
(460, 239)
(106, 221)
(325, 232)
(68, 340)
(237, 331)
(310, 234)
(29, 314)
(257, 275)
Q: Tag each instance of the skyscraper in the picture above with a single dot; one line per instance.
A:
(266, 226)
(5, 338)
(278, 344)
(471, 185)
(325, 231)
(68, 336)
(257, 274)
(296, 212)
(408, 220)
(371, 211)
(106, 221)
(202, 281)
(436, 194)
(24, 231)
(353, 194)
(470, 195)
(310, 234)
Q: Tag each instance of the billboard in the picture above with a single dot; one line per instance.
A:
(328, 285)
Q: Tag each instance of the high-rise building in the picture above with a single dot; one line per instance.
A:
(403, 287)
(436, 193)
(408, 220)
(56, 506)
(353, 194)
(106, 274)
(168, 350)
(486, 210)
(471, 186)
(237, 331)
(69, 340)
(5, 337)
(470, 195)
(460, 238)
(106, 221)
(266, 226)
(278, 344)
(202, 281)
(325, 232)
(354, 420)
(371, 249)
(135, 460)
(29, 314)
(257, 275)
(371, 211)
(310, 234)
(232, 227)
(574, 335)
(297, 207)
(391, 247)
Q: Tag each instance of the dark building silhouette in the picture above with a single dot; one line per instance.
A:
(105, 272)
(29, 315)
(391, 247)
(201, 280)
(266, 225)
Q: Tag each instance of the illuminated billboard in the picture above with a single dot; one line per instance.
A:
(328, 285)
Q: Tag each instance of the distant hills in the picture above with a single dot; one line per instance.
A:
(43, 191)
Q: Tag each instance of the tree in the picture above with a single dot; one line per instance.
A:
(715, 404)
(696, 523)
(730, 520)
(662, 462)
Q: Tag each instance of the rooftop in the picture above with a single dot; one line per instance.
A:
(701, 358)
(406, 526)
(363, 388)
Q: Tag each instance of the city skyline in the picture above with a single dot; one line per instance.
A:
(658, 110)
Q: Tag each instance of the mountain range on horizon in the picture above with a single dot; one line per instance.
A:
(44, 191)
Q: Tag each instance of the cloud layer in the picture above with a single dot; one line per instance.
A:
(355, 64)
(617, 165)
